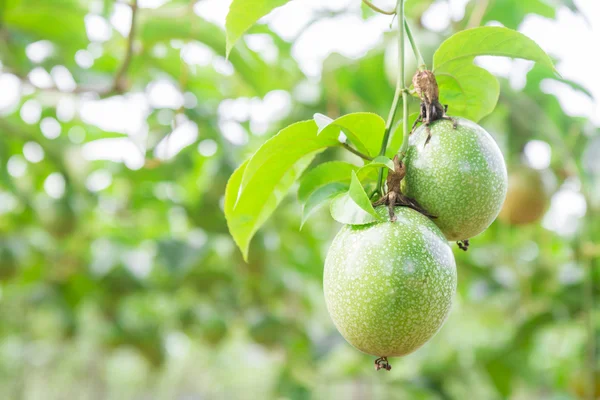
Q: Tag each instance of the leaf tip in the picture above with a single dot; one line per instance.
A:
(245, 250)
(228, 47)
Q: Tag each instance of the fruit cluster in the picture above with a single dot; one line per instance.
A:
(389, 285)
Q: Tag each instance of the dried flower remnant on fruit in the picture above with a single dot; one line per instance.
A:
(427, 89)
(382, 363)
(463, 244)
(394, 196)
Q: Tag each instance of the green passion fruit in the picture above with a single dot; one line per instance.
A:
(458, 176)
(389, 285)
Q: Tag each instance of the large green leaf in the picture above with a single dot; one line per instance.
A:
(468, 90)
(256, 188)
(489, 41)
(364, 130)
(323, 174)
(243, 14)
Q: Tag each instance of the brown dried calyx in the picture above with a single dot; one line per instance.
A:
(382, 363)
(394, 196)
(427, 89)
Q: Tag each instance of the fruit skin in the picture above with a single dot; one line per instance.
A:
(459, 176)
(527, 198)
(389, 285)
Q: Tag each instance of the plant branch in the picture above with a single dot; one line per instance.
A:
(118, 83)
(377, 9)
(400, 89)
(356, 152)
(415, 48)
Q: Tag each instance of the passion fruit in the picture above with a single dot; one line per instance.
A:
(389, 285)
(457, 174)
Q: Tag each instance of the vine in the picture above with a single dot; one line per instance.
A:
(400, 90)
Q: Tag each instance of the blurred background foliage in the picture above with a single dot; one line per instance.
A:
(118, 279)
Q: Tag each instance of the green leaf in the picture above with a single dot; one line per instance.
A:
(511, 13)
(489, 41)
(243, 14)
(468, 90)
(345, 211)
(364, 130)
(321, 196)
(165, 24)
(259, 185)
(232, 190)
(38, 18)
(354, 206)
(360, 197)
(323, 174)
(471, 91)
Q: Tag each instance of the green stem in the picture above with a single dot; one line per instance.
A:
(354, 151)
(405, 132)
(377, 9)
(415, 48)
(400, 89)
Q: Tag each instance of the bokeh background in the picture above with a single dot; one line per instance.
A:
(119, 280)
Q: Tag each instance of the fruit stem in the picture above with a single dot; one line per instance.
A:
(420, 62)
(400, 88)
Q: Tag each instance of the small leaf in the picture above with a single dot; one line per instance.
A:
(380, 162)
(258, 186)
(344, 210)
(321, 196)
(364, 130)
(489, 41)
(360, 197)
(323, 174)
(243, 14)
(354, 206)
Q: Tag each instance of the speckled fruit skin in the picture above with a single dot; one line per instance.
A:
(527, 198)
(459, 176)
(389, 286)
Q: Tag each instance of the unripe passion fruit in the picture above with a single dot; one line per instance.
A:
(459, 176)
(527, 198)
(389, 285)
